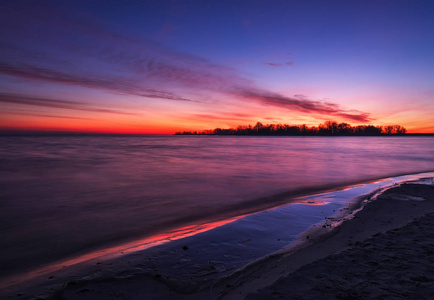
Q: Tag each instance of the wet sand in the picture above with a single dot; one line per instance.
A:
(384, 251)
(396, 264)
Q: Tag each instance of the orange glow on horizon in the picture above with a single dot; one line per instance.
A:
(146, 125)
(139, 130)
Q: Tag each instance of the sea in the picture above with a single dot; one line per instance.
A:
(62, 196)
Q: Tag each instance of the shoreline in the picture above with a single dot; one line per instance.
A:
(225, 215)
(385, 254)
(391, 211)
(229, 214)
(161, 286)
(395, 264)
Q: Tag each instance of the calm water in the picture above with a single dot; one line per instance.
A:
(62, 196)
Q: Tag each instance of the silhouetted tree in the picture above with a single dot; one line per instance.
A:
(329, 128)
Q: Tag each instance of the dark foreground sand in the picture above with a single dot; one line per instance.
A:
(397, 264)
(389, 254)
(386, 251)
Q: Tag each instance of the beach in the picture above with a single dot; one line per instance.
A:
(395, 264)
(381, 250)
(385, 251)
(199, 150)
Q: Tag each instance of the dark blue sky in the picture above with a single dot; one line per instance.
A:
(162, 66)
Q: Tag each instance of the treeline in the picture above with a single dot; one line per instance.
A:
(329, 128)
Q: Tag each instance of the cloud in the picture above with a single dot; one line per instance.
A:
(113, 84)
(273, 64)
(280, 64)
(55, 103)
(30, 113)
(75, 49)
(356, 116)
(301, 105)
(224, 116)
(273, 119)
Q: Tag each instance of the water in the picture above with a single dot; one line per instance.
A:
(67, 195)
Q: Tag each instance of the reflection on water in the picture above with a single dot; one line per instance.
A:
(62, 196)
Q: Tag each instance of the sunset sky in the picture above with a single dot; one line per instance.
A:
(165, 66)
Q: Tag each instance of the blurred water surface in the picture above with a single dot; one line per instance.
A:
(65, 195)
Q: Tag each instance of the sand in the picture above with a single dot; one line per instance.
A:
(384, 251)
(396, 264)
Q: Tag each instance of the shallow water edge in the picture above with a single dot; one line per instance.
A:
(212, 251)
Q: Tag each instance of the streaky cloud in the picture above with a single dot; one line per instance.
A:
(226, 116)
(301, 105)
(98, 58)
(56, 103)
(28, 113)
(273, 64)
(280, 64)
(119, 85)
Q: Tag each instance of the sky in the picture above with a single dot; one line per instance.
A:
(158, 67)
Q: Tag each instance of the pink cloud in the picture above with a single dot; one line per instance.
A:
(55, 103)
(100, 59)
(302, 105)
(289, 63)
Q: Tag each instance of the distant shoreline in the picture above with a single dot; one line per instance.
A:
(85, 134)
(310, 135)
(329, 128)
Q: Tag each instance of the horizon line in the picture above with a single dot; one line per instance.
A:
(69, 132)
